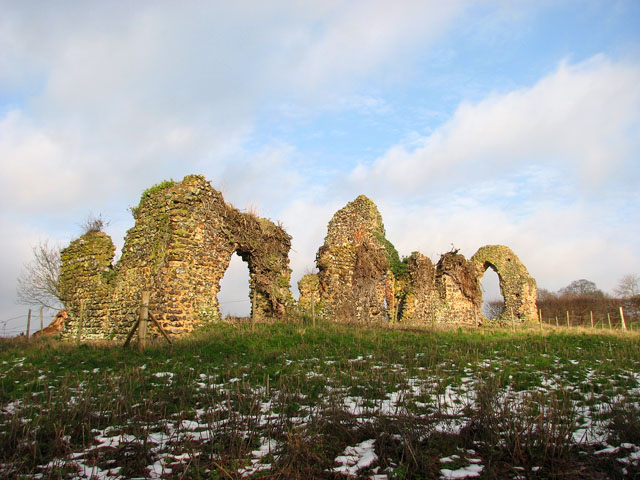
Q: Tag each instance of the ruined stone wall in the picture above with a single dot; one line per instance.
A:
(460, 295)
(417, 296)
(355, 282)
(85, 284)
(309, 288)
(516, 285)
(179, 250)
(353, 265)
(183, 240)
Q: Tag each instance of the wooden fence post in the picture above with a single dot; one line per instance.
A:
(28, 323)
(41, 319)
(609, 318)
(80, 322)
(568, 325)
(557, 325)
(591, 315)
(253, 308)
(144, 316)
(624, 324)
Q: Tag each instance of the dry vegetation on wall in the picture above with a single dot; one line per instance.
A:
(353, 264)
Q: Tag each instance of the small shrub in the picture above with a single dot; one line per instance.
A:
(94, 224)
(157, 188)
(624, 424)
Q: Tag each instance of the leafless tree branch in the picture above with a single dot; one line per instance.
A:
(38, 281)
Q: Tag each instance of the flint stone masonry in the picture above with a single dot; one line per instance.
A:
(309, 288)
(353, 265)
(354, 282)
(85, 283)
(178, 250)
(516, 285)
(417, 294)
(460, 295)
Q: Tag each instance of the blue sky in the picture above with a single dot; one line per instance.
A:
(466, 122)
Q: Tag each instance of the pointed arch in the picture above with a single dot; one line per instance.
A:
(518, 288)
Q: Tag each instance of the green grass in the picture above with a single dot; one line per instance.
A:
(539, 400)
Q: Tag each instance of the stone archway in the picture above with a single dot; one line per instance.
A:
(178, 250)
(518, 288)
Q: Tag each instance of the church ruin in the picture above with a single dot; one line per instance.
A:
(183, 240)
(356, 278)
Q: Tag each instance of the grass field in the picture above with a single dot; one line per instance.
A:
(331, 401)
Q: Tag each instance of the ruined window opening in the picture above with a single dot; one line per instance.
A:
(234, 295)
(492, 299)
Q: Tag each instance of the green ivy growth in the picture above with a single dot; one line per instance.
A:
(397, 266)
(157, 187)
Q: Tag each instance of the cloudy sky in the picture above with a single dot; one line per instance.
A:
(467, 122)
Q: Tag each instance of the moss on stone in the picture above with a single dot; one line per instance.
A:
(353, 264)
(158, 187)
(396, 265)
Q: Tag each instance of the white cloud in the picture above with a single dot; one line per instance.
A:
(558, 243)
(584, 120)
(117, 98)
(550, 170)
(272, 173)
(358, 37)
(306, 221)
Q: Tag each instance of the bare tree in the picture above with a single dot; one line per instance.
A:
(628, 286)
(38, 281)
(493, 309)
(545, 295)
(582, 288)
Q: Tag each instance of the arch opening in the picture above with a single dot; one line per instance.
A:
(493, 303)
(234, 294)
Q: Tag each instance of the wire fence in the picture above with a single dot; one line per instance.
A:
(16, 330)
(12, 330)
(567, 319)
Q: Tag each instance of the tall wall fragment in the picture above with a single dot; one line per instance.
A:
(416, 292)
(179, 249)
(85, 283)
(460, 295)
(353, 264)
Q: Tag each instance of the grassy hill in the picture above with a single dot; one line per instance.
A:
(294, 401)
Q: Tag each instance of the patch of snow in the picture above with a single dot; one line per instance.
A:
(267, 446)
(464, 472)
(356, 458)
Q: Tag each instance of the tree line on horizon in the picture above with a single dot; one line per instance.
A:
(581, 301)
